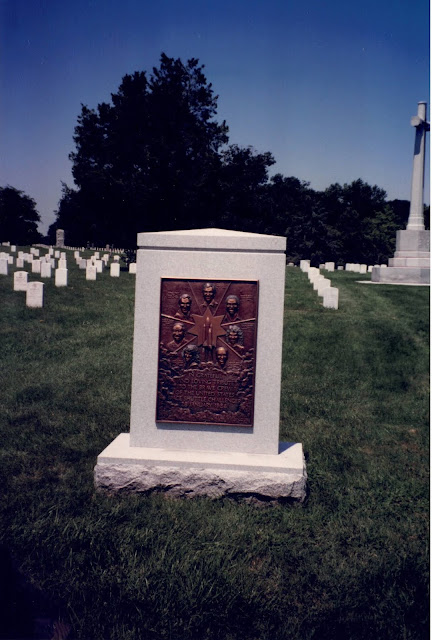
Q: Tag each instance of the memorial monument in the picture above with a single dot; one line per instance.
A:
(206, 374)
(60, 238)
(411, 261)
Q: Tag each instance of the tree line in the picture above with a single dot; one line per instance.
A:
(156, 158)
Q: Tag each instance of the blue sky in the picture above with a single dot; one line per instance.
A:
(327, 87)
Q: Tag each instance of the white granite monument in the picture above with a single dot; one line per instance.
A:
(411, 262)
(206, 375)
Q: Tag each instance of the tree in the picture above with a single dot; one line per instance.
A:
(241, 189)
(401, 209)
(149, 160)
(292, 210)
(365, 223)
(72, 216)
(18, 217)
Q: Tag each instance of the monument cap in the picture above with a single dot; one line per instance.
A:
(211, 239)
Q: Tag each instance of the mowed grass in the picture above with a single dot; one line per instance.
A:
(351, 563)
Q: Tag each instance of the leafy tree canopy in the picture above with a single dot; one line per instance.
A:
(155, 158)
(18, 217)
(148, 160)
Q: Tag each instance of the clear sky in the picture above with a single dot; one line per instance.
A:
(328, 87)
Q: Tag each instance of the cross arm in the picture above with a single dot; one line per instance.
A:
(416, 121)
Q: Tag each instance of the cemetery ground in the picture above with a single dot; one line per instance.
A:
(352, 562)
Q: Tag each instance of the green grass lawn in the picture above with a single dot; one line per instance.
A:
(351, 563)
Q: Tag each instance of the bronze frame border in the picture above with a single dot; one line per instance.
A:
(210, 424)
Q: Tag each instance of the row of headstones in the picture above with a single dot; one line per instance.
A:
(46, 246)
(95, 249)
(350, 266)
(360, 268)
(44, 264)
(39, 264)
(96, 264)
(321, 285)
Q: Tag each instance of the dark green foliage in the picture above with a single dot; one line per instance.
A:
(18, 217)
(242, 190)
(352, 563)
(129, 256)
(148, 160)
(366, 225)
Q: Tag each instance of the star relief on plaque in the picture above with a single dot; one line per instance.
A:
(207, 345)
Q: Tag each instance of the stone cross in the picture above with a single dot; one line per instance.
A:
(416, 219)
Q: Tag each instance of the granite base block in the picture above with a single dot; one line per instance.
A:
(259, 478)
(401, 275)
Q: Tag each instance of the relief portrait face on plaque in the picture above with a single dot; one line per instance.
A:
(207, 346)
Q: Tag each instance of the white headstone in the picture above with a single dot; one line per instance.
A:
(329, 266)
(331, 298)
(316, 281)
(304, 265)
(4, 263)
(323, 284)
(116, 258)
(19, 263)
(20, 280)
(13, 248)
(313, 272)
(363, 268)
(45, 271)
(115, 270)
(34, 297)
(61, 277)
(62, 264)
(90, 272)
(10, 260)
(36, 266)
(99, 266)
(132, 267)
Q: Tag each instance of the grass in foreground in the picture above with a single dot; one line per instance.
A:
(352, 563)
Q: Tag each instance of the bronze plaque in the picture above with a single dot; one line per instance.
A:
(207, 343)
